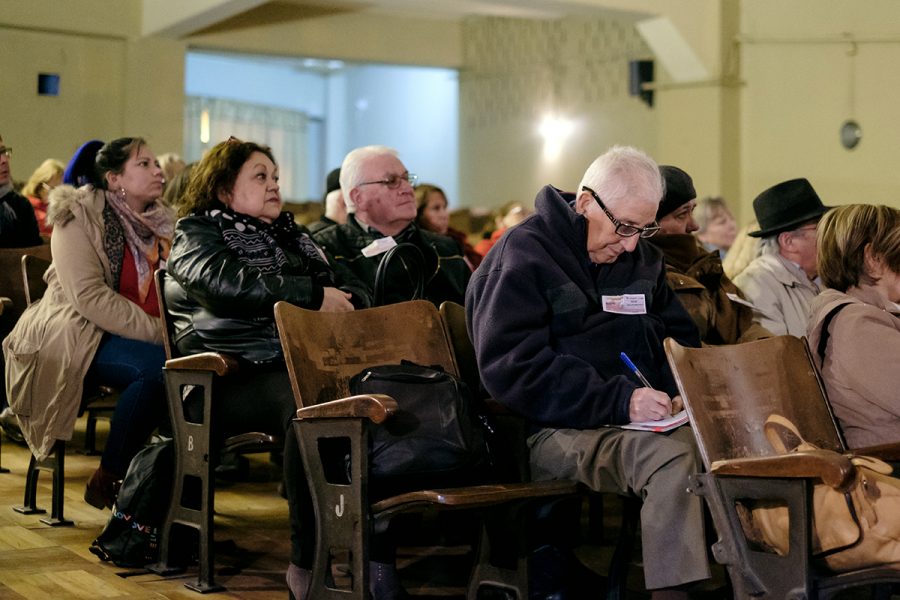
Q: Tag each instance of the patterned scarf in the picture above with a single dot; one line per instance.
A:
(148, 236)
(262, 245)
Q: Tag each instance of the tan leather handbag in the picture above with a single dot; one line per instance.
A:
(855, 527)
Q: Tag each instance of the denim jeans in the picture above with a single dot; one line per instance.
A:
(135, 368)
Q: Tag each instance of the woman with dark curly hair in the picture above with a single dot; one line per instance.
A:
(235, 254)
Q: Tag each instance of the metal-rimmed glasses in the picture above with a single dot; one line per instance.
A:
(393, 181)
(624, 229)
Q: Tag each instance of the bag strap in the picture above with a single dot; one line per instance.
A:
(416, 269)
(825, 334)
(777, 439)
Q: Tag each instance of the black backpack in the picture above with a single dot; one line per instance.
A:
(131, 536)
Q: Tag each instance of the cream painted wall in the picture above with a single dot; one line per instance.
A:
(797, 94)
(517, 71)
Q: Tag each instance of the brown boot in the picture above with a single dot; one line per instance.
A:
(102, 488)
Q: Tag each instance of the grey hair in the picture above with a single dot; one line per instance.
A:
(624, 171)
(768, 245)
(351, 169)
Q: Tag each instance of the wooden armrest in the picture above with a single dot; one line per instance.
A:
(835, 470)
(476, 496)
(889, 452)
(220, 364)
(251, 441)
(375, 407)
(5, 303)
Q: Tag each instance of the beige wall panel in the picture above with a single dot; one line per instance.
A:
(90, 103)
(113, 18)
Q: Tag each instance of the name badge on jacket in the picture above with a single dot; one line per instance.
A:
(626, 304)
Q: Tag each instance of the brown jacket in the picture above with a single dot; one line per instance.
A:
(859, 370)
(698, 279)
(52, 345)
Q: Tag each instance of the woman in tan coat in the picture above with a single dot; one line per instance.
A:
(854, 330)
(99, 318)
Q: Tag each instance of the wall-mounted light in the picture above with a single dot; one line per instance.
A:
(204, 126)
(555, 130)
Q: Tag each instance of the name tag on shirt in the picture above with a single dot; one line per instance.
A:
(379, 246)
(626, 304)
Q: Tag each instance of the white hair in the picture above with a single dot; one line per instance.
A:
(622, 172)
(351, 169)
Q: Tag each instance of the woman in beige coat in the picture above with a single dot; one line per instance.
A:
(99, 319)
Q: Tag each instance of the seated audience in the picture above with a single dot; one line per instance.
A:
(782, 281)
(378, 191)
(854, 328)
(37, 189)
(744, 250)
(80, 170)
(335, 208)
(98, 321)
(509, 215)
(171, 165)
(173, 195)
(695, 273)
(18, 225)
(550, 310)
(236, 253)
(716, 227)
(432, 214)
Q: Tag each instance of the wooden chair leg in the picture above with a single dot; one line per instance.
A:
(2, 468)
(55, 463)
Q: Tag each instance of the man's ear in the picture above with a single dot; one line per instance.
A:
(582, 202)
(356, 197)
(784, 238)
(872, 263)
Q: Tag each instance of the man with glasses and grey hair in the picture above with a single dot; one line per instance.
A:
(381, 206)
(550, 310)
(18, 225)
(782, 281)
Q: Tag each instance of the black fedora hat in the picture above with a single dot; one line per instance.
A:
(785, 206)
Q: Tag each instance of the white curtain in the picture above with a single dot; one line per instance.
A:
(283, 130)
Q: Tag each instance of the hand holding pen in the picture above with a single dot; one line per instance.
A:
(648, 404)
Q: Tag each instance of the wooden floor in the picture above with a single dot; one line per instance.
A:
(252, 543)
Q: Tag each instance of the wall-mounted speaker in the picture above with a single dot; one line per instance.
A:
(48, 84)
(640, 72)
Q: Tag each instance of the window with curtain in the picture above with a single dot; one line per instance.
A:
(209, 121)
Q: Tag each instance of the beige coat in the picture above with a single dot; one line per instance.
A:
(52, 345)
(859, 370)
(780, 293)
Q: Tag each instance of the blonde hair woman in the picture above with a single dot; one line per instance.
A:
(37, 189)
(854, 330)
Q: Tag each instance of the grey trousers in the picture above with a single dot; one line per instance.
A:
(652, 466)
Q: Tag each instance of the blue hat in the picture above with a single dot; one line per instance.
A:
(80, 169)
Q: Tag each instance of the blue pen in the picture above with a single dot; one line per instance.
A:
(635, 370)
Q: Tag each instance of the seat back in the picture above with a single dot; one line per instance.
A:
(159, 278)
(453, 318)
(324, 350)
(11, 275)
(729, 392)
(33, 284)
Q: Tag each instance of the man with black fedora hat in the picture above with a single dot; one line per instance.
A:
(782, 281)
(696, 274)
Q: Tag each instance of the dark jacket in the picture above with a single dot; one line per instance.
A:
(545, 346)
(220, 303)
(18, 225)
(446, 272)
(704, 289)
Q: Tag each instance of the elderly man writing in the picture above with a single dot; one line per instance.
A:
(549, 311)
(378, 192)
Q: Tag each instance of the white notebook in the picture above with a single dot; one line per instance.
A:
(667, 424)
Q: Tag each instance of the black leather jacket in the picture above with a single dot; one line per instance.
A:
(220, 303)
(446, 272)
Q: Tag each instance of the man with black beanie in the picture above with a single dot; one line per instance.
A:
(714, 302)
